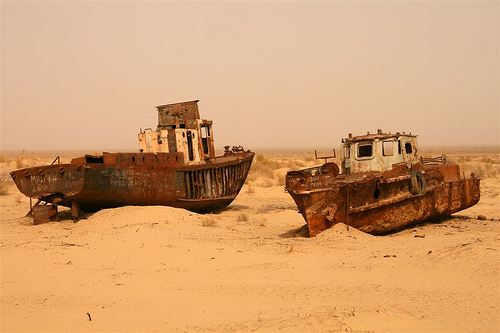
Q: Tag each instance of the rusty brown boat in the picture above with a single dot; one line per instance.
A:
(175, 166)
(382, 185)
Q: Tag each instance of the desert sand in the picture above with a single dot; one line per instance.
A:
(247, 268)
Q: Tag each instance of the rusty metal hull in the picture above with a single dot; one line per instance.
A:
(119, 179)
(378, 203)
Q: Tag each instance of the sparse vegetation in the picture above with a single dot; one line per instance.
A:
(243, 217)
(209, 221)
(4, 189)
(262, 222)
(20, 162)
(270, 168)
(483, 166)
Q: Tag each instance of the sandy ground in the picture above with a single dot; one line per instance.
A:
(246, 269)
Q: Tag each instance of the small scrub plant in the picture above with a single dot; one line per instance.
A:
(4, 189)
(242, 217)
(270, 169)
(20, 162)
(209, 221)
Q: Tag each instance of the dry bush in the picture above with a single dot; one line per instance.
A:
(242, 217)
(4, 188)
(262, 222)
(268, 181)
(270, 169)
(209, 221)
(482, 166)
(464, 158)
(480, 170)
(20, 162)
(4, 159)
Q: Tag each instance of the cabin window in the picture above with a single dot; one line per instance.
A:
(365, 150)
(399, 147)
(387, 148)
(204, 140)
(408, 148)
(94, 159)
(182, 125)
(190, 145)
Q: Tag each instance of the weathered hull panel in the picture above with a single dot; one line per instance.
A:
(378, 205)
(93, 186)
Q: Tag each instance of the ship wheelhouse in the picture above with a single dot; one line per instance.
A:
(377, 152)
(180, 130)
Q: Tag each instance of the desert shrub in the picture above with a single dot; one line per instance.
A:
(270, 169)
(264, 164)
(4, 188)
(464, 158)
(490, 160)
(20, 162)
(267, 181)
(309, 159)
(281, 180)
(209, 221)
(242, 217)
(263, 172)
(481, 170)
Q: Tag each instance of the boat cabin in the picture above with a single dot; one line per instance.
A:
(377, 152)
(180, 129)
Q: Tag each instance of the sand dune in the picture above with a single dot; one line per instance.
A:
(246, 269)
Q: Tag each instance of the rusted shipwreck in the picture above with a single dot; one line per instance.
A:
(175, 166)
(383, 186)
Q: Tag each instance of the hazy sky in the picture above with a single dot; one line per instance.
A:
(87, 75)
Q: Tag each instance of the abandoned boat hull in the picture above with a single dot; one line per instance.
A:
(378, 204)
(121, 179)
(384, 186)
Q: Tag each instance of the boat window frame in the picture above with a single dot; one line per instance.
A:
(408, 144)
(365, 143)
(392, 144)
(205, 134)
